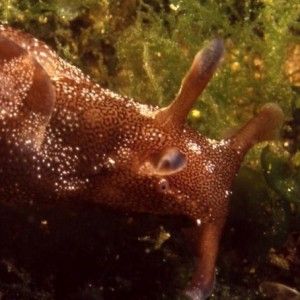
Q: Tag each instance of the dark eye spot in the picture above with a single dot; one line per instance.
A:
(171, 161)
(165, 164)
(163, 185)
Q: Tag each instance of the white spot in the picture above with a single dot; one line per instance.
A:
(43, 54)
(210, 167)
(194, 147)
(227, 193)
(198, 222)
(111, 161)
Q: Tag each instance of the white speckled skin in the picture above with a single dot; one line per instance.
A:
(64, 138)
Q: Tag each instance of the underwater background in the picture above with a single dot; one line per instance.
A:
(142, 49)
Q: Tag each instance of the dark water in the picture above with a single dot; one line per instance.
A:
(90, 253)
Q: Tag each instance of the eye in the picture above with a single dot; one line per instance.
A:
(163, 185)
(171, 161)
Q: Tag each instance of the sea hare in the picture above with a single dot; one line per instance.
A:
(64, 139)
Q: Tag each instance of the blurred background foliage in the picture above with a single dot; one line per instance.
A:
(142, 49)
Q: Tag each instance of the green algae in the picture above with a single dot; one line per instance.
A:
(142, 49)
(282, 174)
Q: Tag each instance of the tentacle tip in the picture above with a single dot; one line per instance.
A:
(194, 294)
(275, 114)
(218, 45)
(274, 109)
(214, 51)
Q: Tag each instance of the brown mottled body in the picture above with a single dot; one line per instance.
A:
(65, 138)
